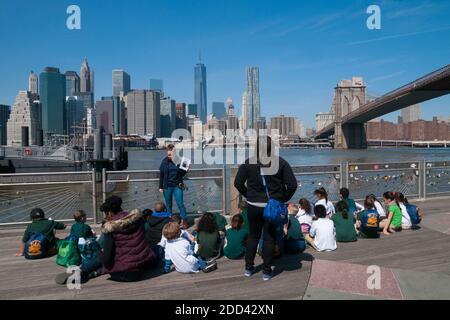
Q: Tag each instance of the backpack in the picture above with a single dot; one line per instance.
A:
(413, 213)
(36, 247)
(275, 211)
(89, 250)
(370, 220)
(68, 253)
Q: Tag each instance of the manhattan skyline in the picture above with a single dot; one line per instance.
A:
(301, 49)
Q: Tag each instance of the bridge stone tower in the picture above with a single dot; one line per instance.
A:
(349, 95)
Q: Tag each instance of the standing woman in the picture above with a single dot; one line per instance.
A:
(281, 184)
(171, 182)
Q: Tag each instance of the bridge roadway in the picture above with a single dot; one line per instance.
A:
(414, 265)
(430, 86)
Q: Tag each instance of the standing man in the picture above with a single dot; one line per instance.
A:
(281, 184)
(171, 182)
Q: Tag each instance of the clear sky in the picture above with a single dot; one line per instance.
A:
(303, 48)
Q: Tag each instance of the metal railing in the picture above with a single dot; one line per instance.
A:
(204, 189)
(208, 189)
(59, 194)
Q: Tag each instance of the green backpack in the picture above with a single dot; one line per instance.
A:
(68, 253)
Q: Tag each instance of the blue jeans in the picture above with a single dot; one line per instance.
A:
(295, 246)
(176, 192)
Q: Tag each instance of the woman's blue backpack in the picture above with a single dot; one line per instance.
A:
(275, 211)
(413, 213)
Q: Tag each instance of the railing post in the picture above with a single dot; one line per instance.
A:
(422, 179)
(104, 184)
(94, 196)
(224, 191)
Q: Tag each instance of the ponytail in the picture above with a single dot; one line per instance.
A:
(342, 207)
(345, 214)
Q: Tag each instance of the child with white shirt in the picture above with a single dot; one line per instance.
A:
(179, 251)
(305, 215)
(406, 219)
(322, 197)
(322, 234)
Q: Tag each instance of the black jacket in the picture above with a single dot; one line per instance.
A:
(163, 173)
(282, 185)
(154, 233)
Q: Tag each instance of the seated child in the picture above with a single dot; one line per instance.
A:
(40, 226)
(344, 193)
(154, 223)
(208, 238)
(321, 236)
(80, 229)
(304, 215)
(294, 240)
(161, 210)
(236, 237)
(368, 220)
(178, 251)
(406, 219)
(322, 199)
(393, 222)
(344, 223)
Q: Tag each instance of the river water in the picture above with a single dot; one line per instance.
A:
(150, 159)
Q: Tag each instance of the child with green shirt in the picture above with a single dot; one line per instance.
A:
(393, 223)
(80, 229)
(208, 238)
(236, 237)
(40, 225)
(344, 223)
(293, 237)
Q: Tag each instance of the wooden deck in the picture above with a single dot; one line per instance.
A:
(425, 250)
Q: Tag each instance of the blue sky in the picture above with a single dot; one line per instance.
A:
(303, 48)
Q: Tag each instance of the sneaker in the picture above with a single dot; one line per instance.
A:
(267, 276)
(210, 267)
(249, 272)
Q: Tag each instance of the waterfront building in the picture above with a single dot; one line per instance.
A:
(287, 126)
(33, 83)
(5, 111)
(25, 113)
(72, 83)
(52, 89)
(143, 112)
(168, 117)
(323, 119)
(121, 83)
(200, 90)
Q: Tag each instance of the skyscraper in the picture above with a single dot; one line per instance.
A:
(181, 122)
(411, 113)
(104, 112)
(25, 113)
(200, 91)
(33, 82)
(121, 82)
(86, 81)
(52, 88)
(156, 85)
(72, 83)
(118, 114)
(5, 111)
(143, 112)
(252, 97)
(192, 109)
(218, 110)
(244, 120)
(75, 113)
(168, 117)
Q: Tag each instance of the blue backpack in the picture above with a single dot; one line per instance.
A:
(413, 213)
(275, 211)
(370, 220)
(36, 247)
